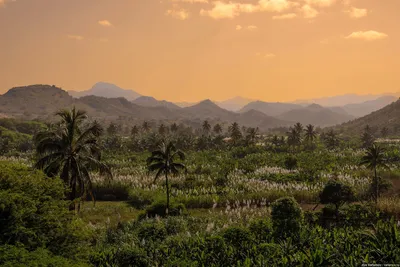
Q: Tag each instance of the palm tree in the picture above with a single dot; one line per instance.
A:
(234, 131)
(385, 132)
(174, 128)
(298, 128)
(217, 129)
(330, 139)
(112, 129)
(206, 127)
(146, 127)
(251, 135)
(134, 131)
(162, 130)
(294, 138)
(373, 159)
(310, 133)
(71, 151)
(164, 161)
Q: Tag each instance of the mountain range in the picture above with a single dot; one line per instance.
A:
(43, 100)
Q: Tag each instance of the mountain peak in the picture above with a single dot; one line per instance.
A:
(107, 90)
(315, 106)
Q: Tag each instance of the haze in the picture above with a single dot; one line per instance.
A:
(187, 50)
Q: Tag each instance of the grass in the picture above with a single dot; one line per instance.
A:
(107, 212)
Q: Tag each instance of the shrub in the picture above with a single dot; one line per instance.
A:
(261, 230)
(290, 163)
(152, 230)
(336, 193)
(140, 198)
(287, 217)
(158, 208)
(237, 236)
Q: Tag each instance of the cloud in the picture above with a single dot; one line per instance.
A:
(357, 13)
(3, 2)
(266, 55)
(320, 3)
(191, 1)
(221, 10)
(178, 13)
(75, 37)
(367, 35)
(238, 27)
(285, 16)
(105, 23)
(252, 27)
(309, 12)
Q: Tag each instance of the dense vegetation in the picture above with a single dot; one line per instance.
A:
(228, 196)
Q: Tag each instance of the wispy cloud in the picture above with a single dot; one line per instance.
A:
(367, 35)
(285, 16)
(357, 13)
(3, 2)
(191, 1)
(105, 23)
(265, 55)
(75, 37)
(321, 3)
(178, 13)
(221, 10)
(238, 27)
(309, 12)
(252, 27)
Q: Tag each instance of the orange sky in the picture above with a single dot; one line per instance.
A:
(187, 50)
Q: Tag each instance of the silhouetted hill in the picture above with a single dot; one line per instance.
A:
(388, 116)
(270, 108)
(34, 99)
(316, 115)
(234, 104)
(342, 100)
(107, 90)
(148, 101)
(362, 109)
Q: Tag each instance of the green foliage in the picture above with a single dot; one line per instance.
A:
(290, 163)
(159, 207)
(34, 215)
(287, 217)
(336, 193)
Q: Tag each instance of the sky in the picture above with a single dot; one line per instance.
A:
(188, 50)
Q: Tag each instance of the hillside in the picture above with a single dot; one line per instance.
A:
(388, 116)
(148, 101)
(234, 104)
(270, 108)
(362, 109)
(34, 99)
(316, 115)
(108, 90)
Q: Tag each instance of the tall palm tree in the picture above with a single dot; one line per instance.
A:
(310, 133)
(234, 131)
(251, 135)
(162, 130)
(299, 128)
(385, 132)
(373, 159)
(294, 138)
(134, 131)
(146, 126)
(174, 128)
(206, 127)
(71, 151)
(217, 129)
(166, 160)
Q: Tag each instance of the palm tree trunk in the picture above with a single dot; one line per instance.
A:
(376, 186)
(166, 184)
(72, 197)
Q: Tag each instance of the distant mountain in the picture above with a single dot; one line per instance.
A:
(34, 99)
(362, 109)
(388, 116)
(41, 101)
(185, 104)
(234, 104)
(107, 90)
(315, 114)
(148, 101)
(270, 108)
(342, 100)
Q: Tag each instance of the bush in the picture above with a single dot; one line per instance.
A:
(112, 191)
(140, 198)
(34, 213)
(237, 236)
(151, 230)
(287, 217)
(261, 230)
(336, 193)
(158, 208)
(290, 163)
